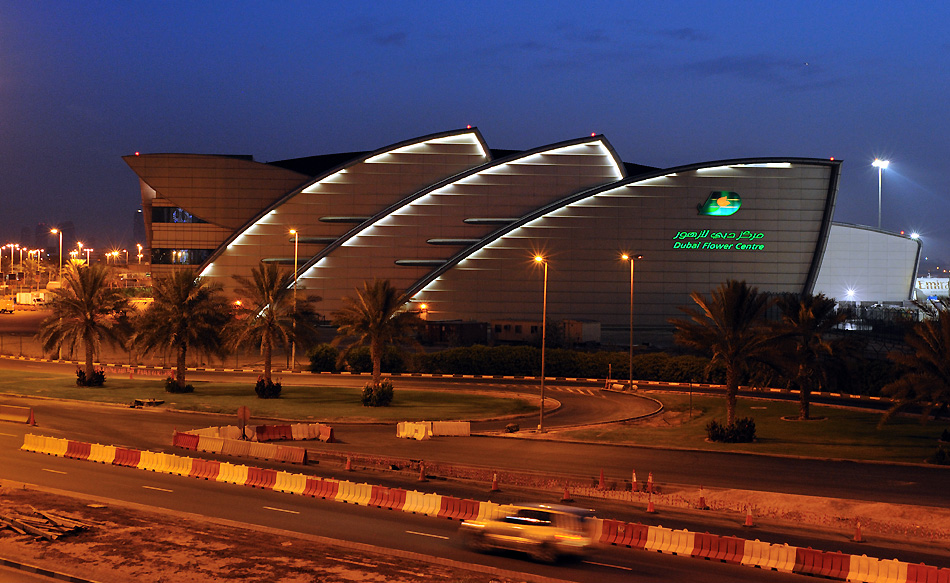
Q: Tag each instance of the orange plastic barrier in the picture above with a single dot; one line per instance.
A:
(127, 457)
(732, 549)
(78, 450)
(397, 499)
(633, 535)
(285, 432)
(261, 478)
(468, 510)
(377, 496)
(922, 573)
(185, 440)
(449, 508)
(814, 562)
(704, 544)
(326, 433)
(206, 469)
(609, 531)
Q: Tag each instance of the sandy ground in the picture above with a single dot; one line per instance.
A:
(130, 545)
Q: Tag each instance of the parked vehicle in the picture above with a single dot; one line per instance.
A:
(546, 532)
(6, 306)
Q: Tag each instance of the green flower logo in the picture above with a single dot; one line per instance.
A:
(720, 203)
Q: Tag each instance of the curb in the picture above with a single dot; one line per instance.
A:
(27, 568)
(349, 545)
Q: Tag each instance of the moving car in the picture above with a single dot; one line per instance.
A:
(546, 532)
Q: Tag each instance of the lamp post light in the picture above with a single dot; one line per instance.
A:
(88, 250)
(631, 259)
(139, 245)
(293, 339)
(544, 330)
(60, 233)
(880, 165)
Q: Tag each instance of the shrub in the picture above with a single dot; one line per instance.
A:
(380, 395)
(743, 431)
(173, 386)
(941, 457)
(358, 360)
(267, 390)
(945, 436)
(98, 378)
(323, 358)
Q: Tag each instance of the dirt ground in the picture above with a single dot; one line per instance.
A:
(130, 545)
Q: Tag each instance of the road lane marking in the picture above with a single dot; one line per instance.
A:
(159, 489)
(281, 510)
(427, 534)
(609, 565)
(351, 562)
(53, 471)
(9, 434)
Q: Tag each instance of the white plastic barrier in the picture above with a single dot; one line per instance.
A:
(103, 454)
(362, 494)
(756, 554)
(211, 444)
(283, 482)
(31, 442)
(414, 502)
(658, 539)
(682, 543)
(433, 504)
(781, 558)
(56, 446)
(148, 461)
(451, 428)
(262, 451)
(879, 571)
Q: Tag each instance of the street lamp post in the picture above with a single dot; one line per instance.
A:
(139, 245)
(544, 330)
(293, 340)
(880, 165)
(631, 259)
(60, 233)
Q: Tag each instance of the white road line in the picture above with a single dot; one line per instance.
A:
(159, 489)
(281, 510)
(608, 565)
(53, 471)
(427, 534)
(9, 434)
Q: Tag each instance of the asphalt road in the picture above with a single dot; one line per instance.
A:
(420, 534)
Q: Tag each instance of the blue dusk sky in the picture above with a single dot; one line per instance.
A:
(667, 83)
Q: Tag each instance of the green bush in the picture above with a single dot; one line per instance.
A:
(743, 431)
(97, 380)
(358, 360)
(173, 386)
(380, 395)
(323, 358)
(267, 390)
(941, 457)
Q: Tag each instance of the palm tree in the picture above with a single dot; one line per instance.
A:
(729, 327)
(187, 314)
(806, 321)
(266, 315)
(925, 378)
(374, 317)
(85, 311)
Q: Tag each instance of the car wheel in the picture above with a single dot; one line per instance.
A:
(545, 554)
(476, 542)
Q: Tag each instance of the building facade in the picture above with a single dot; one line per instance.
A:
(458, 225)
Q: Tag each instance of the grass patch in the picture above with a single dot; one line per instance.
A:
(841, 433)
(318, 402)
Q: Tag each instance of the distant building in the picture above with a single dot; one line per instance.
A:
(456, 225)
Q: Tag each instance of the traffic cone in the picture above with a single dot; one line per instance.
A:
(633, 482)
(349, 464)
(650, 508)
(422, 473)
(601, 486)
(567, 495)
(650, 482)
(702, 500)
(748, 517)
(857, 533)
(494, 482)
(32, 420)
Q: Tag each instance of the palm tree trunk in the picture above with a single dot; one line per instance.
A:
(803, 402)
(180, 372)
(732, 389)
(375, 354)
(90, 353)
(267, 347)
